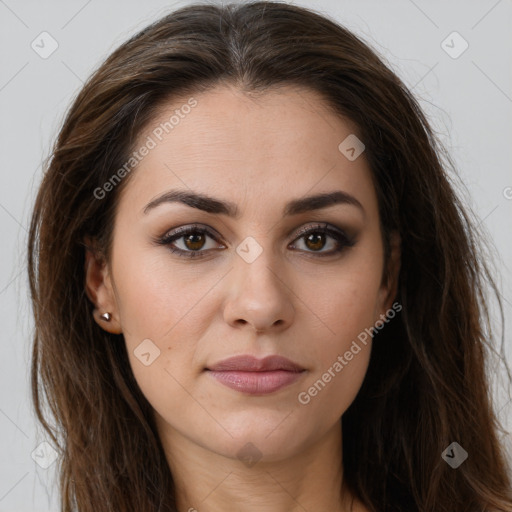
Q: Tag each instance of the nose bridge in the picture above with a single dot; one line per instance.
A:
(256, 261)
(258, 294)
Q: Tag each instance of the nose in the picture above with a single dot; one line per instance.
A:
(259, 296)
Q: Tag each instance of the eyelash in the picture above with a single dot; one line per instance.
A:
(342, 239)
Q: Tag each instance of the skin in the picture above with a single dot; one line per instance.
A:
(258, 152)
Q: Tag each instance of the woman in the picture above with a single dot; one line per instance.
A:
(253, 285)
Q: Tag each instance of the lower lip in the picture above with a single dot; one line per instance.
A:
(256, 383)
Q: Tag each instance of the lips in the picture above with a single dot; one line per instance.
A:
(254, 376)
(248, 363)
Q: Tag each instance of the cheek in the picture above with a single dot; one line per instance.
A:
(341, 354)
(346, 300)
(341, 345)
(163, 313)
(158, 298)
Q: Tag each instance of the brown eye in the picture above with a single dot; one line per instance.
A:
(193, 240)
(315, 241)
(318, 237)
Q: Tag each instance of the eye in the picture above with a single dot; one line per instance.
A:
(193, 243)
(314, 239)
(194, 240)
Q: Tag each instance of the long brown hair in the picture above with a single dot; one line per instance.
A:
(426, 385)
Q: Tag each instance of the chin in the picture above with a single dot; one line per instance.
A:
(260, 442)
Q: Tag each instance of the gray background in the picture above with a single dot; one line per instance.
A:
(468, 100)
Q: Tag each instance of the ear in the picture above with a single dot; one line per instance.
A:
(98, 287)
(389, 286)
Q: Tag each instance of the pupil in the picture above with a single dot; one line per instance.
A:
(319, 238)
(190, 240)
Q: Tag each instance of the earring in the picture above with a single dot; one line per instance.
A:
(106, 316)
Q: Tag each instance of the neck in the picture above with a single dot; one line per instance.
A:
(311, 479)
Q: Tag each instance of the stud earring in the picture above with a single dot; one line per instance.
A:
(106, 316)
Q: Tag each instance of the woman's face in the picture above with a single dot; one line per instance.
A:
(266, 281)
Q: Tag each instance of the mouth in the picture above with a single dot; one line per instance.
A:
(253, 376)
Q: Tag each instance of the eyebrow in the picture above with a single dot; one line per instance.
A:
(217, 206)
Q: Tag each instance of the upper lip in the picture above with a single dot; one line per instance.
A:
(249, 363)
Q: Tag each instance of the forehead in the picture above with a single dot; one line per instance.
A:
(283, 142)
